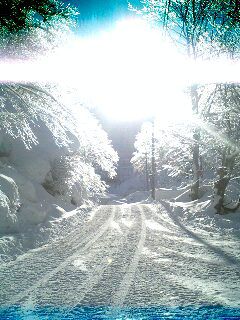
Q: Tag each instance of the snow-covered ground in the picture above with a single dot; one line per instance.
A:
(129, 258)
(39, 235)
(127, 255)
(199, 214)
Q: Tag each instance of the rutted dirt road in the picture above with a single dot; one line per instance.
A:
(126, 255)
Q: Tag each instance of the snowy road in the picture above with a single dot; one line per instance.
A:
(127, 255)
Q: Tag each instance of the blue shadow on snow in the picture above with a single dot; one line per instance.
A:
(108, 313)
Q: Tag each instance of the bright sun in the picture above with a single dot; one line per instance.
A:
(139, 75)
(131, 73)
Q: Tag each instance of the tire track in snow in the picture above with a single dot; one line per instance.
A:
(120, 295)
(193, 239)
(106, 247)
(93, 279)
(81, 248)
(24, 273)
(45, 248)
(175, 242)
(168, 225)
(103, 292)
(171, 276)
(173, 233)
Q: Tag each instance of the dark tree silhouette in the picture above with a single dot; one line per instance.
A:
(16, 15)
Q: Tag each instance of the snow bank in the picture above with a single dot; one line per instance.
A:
(38, 184)
(24, 203)
(36, 162)
(201, 214)
(61, 222)
(25, 186)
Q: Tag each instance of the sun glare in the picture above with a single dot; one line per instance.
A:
(129, 73)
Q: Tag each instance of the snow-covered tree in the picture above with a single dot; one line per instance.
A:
(27, 29)
(47, 139)
(30, 111)
(74, 180)
(192, 23)
(172, 150)
(26, 106)
(30, 28)
(79, 173)
(221, 122)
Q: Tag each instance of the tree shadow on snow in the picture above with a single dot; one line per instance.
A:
(229, 258)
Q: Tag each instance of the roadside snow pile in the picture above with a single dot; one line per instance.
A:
(200, 214)
(23, 202)
(13, 245)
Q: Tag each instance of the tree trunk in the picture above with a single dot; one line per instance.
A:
(225, 173)
(147, 171)
(195, 150)
(153, 165)
(220, 188)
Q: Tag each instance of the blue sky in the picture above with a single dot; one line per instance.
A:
(97, 14)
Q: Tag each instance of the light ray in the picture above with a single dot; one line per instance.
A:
(217, 134)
